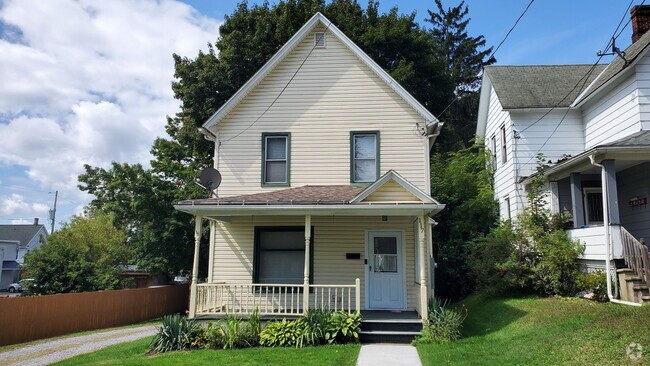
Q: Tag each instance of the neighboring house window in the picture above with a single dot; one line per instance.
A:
(506, 206)
(276, 151)
(364, 157)
(280, 255)
(494, 152)
(593, 198)
(504, 157)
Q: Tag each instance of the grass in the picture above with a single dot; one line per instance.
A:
(133, 353)
(549, 331)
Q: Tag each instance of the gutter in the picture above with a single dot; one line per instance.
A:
(607, 228)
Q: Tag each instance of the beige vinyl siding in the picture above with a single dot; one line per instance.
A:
(392, 192)
(333, 238)
(333, 94)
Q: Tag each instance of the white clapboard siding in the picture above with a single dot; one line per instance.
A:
(593, 240)
(643, 84)
(613, 115)
(504, 174)
(333, 237)
(333, 94)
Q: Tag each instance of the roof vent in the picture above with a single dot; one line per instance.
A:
(319, 40)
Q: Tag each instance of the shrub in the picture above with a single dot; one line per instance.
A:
(316, 323)
(444, 323)
(595, 282)
(343, 327)
(175, 334)
(284, 333)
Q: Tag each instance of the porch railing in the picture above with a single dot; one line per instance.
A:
(636, 256)
(274, 299)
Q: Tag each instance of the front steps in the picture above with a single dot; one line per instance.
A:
(632, 287)
(389, 327)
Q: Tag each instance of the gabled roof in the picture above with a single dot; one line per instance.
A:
(317, 19)
(615, 68)
(539, 86)
(392, 175)
(22, 233)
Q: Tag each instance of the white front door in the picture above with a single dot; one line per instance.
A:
(385, 267)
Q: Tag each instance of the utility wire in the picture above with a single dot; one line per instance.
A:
(583, 80)
(457, 98)
(316, 42)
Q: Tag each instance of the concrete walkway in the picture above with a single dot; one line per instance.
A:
(56, 350)
(388, 354)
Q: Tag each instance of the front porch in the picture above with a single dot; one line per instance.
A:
(285, 252)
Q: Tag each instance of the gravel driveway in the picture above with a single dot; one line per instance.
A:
(56, 350)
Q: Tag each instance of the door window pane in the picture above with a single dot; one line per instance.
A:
(385, 254)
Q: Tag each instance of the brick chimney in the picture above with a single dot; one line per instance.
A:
(640, 15)
(35, 220)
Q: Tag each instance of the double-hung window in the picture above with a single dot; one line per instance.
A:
(364, 157)
(276, 148)
(280, 255)
(504, 152)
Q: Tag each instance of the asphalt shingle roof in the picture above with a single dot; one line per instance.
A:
(539, 86)
(332, 194)
(618, 65)
(21, 233)
(641, 138)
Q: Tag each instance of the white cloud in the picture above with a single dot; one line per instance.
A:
(88, 82)
(16, 205)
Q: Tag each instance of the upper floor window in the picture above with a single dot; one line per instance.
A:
(504, 157)
(276, 148)
(364, 157)
(493, 151)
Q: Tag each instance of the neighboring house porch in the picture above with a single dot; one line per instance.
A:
(348, 247)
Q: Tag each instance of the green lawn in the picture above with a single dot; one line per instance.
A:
(133, 354)
(551, 331)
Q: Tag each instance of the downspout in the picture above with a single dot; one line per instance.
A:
(608, 251)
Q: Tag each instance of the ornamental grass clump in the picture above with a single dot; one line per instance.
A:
(444, 323)
(176, 333)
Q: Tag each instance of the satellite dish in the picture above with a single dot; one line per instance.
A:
(210, 178)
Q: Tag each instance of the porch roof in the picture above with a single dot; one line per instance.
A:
(632, 148)
(343, 200)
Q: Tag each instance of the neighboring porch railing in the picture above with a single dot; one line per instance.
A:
(274, 299)
(636, 256)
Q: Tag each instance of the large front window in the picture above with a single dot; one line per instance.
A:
(276, 159)
(364, 162)
(279, 255)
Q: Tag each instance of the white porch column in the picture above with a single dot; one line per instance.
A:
(198, 228)
(422, 247)
(305, 291)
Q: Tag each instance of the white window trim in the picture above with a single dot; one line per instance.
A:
(585, 192)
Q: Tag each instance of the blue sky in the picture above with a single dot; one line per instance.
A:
(88, 81)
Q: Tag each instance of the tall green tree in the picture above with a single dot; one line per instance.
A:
(84, 255)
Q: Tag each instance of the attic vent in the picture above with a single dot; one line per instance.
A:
(319, 40)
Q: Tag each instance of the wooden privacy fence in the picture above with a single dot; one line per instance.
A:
(27, 318)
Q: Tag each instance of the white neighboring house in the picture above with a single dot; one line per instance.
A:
(593, 132)
(15, 242)
(325, 190)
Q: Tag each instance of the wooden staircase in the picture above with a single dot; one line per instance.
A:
(389, 327)
(635, 279)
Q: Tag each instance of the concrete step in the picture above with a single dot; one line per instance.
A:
(379, 336)
(394, 325)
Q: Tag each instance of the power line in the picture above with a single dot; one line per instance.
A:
(316, 42)
(457, 98)
(583, 80)
(512, 28)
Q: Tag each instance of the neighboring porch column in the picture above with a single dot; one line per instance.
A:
(198, 228)
(612, 191)
(577, 200)
(305, 291)
(422, 247)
